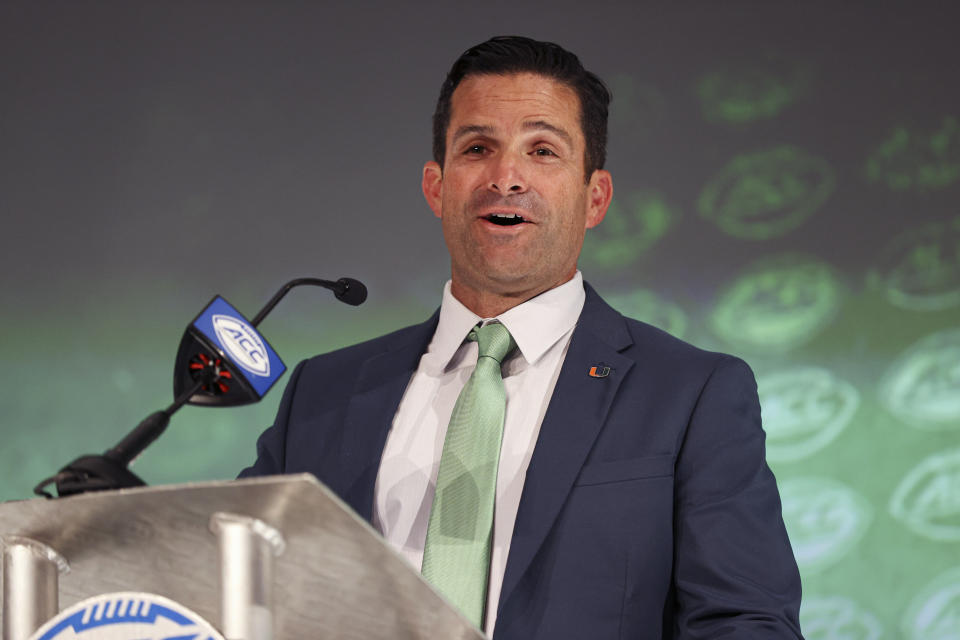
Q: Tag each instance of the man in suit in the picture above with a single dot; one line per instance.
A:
(632, 498)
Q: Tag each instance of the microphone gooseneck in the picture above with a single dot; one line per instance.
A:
(345, 289)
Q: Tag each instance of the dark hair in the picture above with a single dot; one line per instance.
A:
(515, 54)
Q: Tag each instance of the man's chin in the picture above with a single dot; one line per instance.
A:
(502, 279)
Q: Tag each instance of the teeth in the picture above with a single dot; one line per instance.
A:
(505, 219)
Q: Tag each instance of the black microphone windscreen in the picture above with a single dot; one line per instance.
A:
(353, 292)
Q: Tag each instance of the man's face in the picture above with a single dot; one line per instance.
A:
(511, 194)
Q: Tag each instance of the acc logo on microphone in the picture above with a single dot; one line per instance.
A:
(223, 329)
(243, 344)
(126, 616)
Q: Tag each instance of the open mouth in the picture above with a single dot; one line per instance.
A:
(504, 219)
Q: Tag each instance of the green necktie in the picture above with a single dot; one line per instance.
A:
(456, 556)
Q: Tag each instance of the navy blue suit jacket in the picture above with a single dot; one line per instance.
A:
(648, 510)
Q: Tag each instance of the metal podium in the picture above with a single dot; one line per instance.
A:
(265, 558)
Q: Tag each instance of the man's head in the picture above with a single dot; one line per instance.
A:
(505, 55)
(509, 185)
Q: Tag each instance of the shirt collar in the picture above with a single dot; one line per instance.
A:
(535, 325)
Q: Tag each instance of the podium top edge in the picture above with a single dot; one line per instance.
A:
(306, 479)
(290, 480)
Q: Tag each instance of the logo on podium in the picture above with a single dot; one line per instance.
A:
(127, 616)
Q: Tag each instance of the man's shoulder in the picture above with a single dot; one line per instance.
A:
(651, 345)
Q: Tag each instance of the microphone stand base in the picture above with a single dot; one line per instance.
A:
(91, 473)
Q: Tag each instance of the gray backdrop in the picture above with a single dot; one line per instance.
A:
(786, 188)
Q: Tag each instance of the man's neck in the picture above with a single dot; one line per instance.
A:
(490, 304)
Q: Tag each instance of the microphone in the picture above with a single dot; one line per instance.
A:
(345, 290)
(235, 363)
(222, 361)
(350, 291)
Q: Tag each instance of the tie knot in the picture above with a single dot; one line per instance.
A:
(494, 341)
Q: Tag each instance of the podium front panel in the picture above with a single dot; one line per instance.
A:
(336, 578)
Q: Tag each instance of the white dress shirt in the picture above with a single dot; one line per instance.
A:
(541, 327)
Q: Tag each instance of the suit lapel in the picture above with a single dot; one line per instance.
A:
(577, 412)
(381, 381)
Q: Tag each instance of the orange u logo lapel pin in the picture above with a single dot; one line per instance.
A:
(599, 371)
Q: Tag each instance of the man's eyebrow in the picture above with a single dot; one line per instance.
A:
(542, 125)
(471, 129)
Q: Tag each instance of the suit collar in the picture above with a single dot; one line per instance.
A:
(604, 322)
(540, 322)
(401, 354)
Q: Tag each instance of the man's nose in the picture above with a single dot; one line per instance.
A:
(506, 176)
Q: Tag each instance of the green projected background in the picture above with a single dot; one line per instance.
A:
(786, 180)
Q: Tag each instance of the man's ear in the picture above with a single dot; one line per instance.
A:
(433, 186)
(599, 195)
